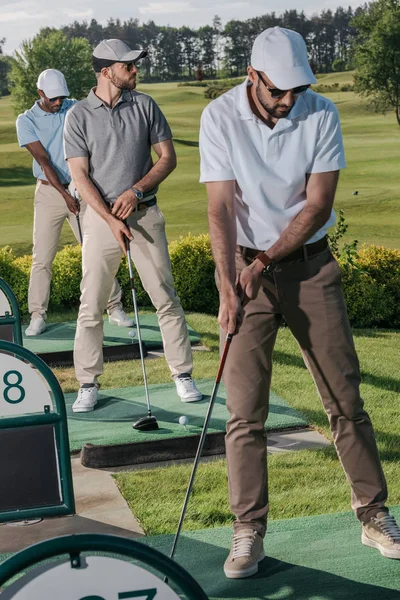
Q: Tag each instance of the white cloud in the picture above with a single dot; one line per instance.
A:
(19, 15)
(163, 8)
(78, 14)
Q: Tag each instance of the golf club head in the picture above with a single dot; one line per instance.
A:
(146, 424)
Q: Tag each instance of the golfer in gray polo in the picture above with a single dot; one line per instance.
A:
(108, 139)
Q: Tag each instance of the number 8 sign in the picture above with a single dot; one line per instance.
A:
(22, 389)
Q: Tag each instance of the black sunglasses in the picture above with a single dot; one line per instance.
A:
(129, 66)
(277, 93)
(62, 98)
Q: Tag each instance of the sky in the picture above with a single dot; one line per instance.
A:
(22, 19)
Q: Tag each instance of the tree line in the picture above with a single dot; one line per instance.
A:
(175, 53)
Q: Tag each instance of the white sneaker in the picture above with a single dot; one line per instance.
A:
(86, 400)
(119, 317)
(186, 388)
(36, 326)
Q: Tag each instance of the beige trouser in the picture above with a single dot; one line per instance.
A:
(50, 212)
(101, 256)
(308, 294)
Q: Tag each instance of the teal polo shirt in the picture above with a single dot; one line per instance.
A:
(37, 125)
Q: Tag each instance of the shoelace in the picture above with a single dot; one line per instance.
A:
(242, 544)
(186, 382)
(389, 527)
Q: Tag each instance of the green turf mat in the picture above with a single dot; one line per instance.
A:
(111, 422)
(311, 558)
(59, 337)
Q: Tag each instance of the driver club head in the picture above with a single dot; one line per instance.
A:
(146, 424)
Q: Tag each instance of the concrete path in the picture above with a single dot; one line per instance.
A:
(100, 509)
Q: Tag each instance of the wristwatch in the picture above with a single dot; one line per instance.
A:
(269, 263)
(139, 195)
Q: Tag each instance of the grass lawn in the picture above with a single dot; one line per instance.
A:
(302, 483)
(372, 150)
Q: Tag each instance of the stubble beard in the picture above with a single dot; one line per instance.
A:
(123, 84)
(274, 112)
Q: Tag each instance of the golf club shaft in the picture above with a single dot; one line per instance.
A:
(130, 267)
(78, 221)
(202, 438)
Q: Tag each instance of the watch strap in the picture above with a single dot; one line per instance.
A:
(264, 258)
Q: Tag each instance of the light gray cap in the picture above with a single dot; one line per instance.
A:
(114, 50)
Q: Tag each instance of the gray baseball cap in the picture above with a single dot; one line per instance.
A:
(111, 51)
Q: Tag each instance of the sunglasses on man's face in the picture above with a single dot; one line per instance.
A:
(129, 66)
(52, 100)
(277, 93)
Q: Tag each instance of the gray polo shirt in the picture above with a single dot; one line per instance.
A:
(116, 140)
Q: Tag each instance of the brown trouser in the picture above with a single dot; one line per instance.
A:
(308, 294)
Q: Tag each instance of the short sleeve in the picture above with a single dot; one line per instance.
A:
(74, 140)
(215, 164)
(26, 131)
(159, 128)
(329, 151)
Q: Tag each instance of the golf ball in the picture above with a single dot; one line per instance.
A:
(132, 333)
(183, 420)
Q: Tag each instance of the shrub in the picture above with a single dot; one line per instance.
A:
(371, 279)
(66, 278)
(368, 304)
(219, 87)
(383, 264)
(193, 270)
(6, 263)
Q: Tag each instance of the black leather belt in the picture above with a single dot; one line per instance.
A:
(301, 253)
(146, 203)
(141, 205)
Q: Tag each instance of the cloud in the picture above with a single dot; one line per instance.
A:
(163, 8)
(78, 14)
(19, 15)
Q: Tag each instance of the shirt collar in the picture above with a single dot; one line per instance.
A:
(95, 101)
(245, 112)
(38, 112)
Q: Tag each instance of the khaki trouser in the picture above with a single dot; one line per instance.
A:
(50, 212)
(308, 295)
(101, 256)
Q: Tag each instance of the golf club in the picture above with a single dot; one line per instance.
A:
(227, 344)
(148, 423)
(76, 196)
(78, 221)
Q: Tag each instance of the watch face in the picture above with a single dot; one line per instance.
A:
(139, 194)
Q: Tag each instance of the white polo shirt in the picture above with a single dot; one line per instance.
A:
(269, 165)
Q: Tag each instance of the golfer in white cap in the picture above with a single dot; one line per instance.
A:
(40, 130)
(271, 152)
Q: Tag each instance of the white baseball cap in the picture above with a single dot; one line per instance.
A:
(52, 83)
(282, 55)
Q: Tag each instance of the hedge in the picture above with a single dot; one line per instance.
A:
(371, 280)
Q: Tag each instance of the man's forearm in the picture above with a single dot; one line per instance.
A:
(222, 228)
(51, 176)
(160, 171)
(302, 228)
